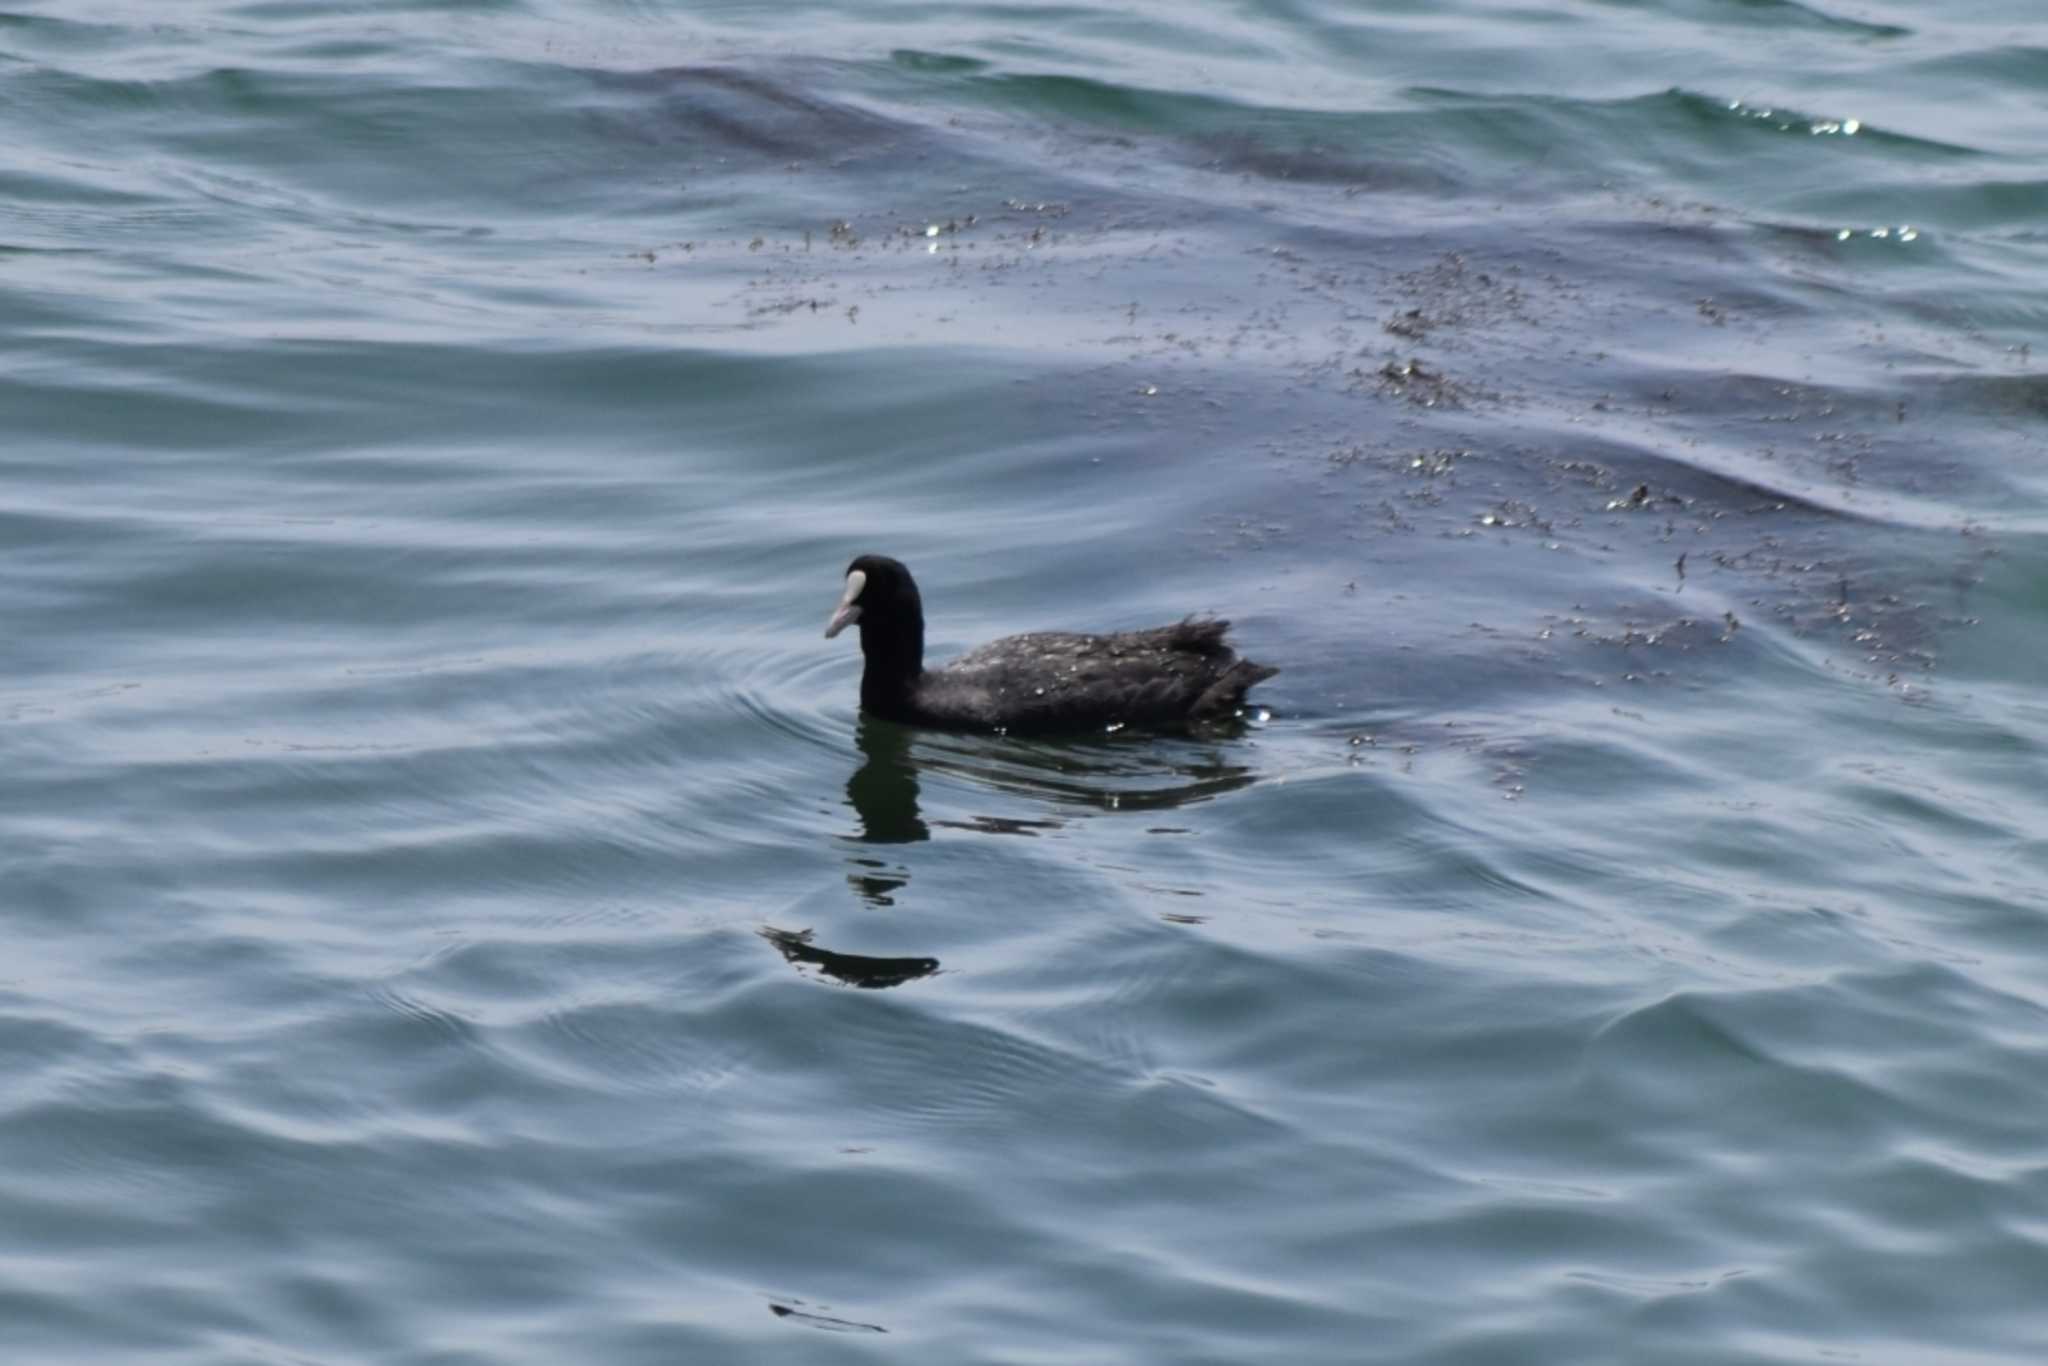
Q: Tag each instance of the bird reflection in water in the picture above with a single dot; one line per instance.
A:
(854, 969)
(1094, 774)
(1055, 778)
(1098, 773)
(883, 794)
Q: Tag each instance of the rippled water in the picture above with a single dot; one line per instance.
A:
(454, 912)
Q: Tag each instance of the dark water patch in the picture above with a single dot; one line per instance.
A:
(1657, 558)
(1313, 162)
(1362, 153)
(2022, 396)
(1076, 100)
(1736, 443)
(716, 113)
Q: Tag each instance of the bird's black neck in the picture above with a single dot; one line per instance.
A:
(893, 653)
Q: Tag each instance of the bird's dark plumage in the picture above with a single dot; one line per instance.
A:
(1046, 682)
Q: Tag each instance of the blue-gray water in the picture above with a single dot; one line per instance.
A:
(434, 433)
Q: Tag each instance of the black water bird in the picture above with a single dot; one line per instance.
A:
(1047, 682)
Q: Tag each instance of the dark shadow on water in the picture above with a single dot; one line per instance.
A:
(853, 969)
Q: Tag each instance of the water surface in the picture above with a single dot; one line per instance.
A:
(454, 912)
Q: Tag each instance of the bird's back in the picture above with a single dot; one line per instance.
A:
(1049, 681)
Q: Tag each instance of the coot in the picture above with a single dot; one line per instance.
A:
(1045, 682)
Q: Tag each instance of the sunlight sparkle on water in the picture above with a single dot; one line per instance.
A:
(1904, 232)
(1847, 128)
